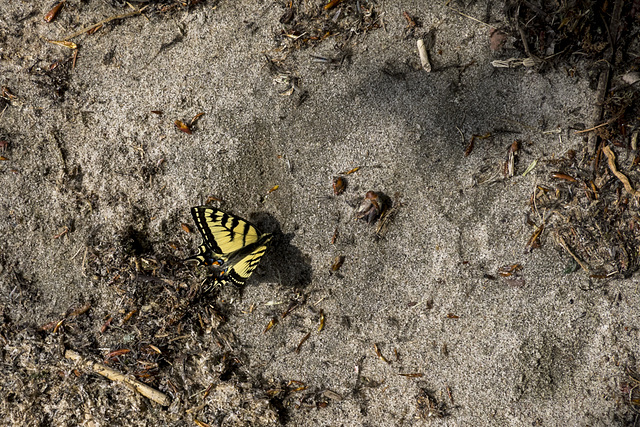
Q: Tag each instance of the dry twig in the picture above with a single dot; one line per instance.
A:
(603, 80)
(143, 389)
(104, 21)
(562, 243)
(612, 165)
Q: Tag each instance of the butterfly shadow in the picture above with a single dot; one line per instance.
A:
(283, 263)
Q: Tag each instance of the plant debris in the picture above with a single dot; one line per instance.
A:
(594, 217)
(372, 207)
(305, 25)
(630, 389)
(428, 406)
(558, 29)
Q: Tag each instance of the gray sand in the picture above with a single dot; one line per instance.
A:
(546, 349)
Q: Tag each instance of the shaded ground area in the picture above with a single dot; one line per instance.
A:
(500, 290)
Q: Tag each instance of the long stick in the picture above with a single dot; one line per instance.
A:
(104, 21)
(143, 389)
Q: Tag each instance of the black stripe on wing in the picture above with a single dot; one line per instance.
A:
(203, 216)
(224, 233)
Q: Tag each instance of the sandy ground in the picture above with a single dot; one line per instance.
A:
(95, 187)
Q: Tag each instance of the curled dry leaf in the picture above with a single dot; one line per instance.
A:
(339, 185)
(184, 128)
(51, 15)
(337, 263)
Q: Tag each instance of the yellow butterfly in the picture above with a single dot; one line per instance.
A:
(230, 242)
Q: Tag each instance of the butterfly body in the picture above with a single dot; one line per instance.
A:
(229, 242)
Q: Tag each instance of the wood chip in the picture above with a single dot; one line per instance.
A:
(424, 57)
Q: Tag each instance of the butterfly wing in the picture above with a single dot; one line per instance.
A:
(223, 234)
(245, 262)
